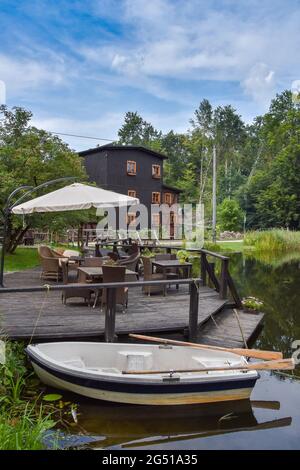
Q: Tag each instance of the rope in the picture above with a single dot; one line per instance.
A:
(240, 327)
(40, 311)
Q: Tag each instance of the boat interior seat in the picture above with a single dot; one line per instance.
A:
(132, 360)
(215, 363)
(75, 362)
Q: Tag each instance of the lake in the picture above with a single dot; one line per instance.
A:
(271, 420)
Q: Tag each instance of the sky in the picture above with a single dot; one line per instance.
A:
(79, 66)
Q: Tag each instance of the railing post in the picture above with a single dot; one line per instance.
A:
(223, 279)
(194, 308)
(203, 269)
(110, 315)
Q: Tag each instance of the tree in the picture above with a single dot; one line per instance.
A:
(137, 131)
(30, 156)
(230, 215)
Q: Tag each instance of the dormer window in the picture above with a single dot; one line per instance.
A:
(131, 167)
(156, 171)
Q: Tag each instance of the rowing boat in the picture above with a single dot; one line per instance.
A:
(115, 372)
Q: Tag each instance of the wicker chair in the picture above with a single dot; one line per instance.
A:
(115, 274)
(150, 276)
(51, 264)
(82, 292)
(131, 261)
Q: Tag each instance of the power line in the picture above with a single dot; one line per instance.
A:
(81, 136)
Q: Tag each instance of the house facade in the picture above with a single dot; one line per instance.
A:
(132, 170)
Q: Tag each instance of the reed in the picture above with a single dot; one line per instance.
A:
(273, 240)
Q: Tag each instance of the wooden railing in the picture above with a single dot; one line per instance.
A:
(110, 312)
(225, 282)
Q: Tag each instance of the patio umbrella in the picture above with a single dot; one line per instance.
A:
(76, 196)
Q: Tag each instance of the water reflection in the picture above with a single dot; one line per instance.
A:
(129, 426)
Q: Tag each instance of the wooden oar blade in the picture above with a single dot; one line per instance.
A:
(280, 364)
(258, 354)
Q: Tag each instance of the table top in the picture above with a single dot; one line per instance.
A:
(170, 263)
(97, 271)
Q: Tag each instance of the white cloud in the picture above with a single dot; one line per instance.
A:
(196, 40)
(23, 74)
(260, 84)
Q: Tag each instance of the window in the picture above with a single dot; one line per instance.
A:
(155, 219)
(168, 198)
(131, 167)
(132, 192)
(155, 171)
(155, 198)
(131, 217)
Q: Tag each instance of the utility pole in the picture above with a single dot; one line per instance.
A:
(214, 197)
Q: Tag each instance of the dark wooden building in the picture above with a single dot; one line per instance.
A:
(132, 170)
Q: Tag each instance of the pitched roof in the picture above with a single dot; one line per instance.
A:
(122, 147)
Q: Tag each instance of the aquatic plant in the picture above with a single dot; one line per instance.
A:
(273, 240)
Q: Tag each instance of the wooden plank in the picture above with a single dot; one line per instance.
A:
(21, 313)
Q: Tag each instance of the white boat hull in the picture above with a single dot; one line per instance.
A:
(142, 399)
(110, 384)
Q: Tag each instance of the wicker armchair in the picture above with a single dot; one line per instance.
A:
(115, 274)
(82, 292)
(51, 264)
(150, 276)
(131, 261)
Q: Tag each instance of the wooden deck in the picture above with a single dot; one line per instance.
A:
(42, 315)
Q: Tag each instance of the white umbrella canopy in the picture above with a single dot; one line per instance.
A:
(76, 196)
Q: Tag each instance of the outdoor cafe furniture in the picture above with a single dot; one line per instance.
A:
(131, 261)
(83, 292)
(85, 273)
(115, 274)
(150, 276)
(50, 262)
(165, 265)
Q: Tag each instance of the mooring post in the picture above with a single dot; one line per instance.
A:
(110, 315)
(203, 268)
(194, 308)
(223, 279)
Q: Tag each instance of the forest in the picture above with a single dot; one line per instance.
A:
(258, 164)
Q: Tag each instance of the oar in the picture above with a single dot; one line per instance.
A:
(287, 364)
(255, 353)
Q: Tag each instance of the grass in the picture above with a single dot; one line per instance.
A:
(23, 421)
(273, 240)
(24, 432)
(23, 258)
(28, 417)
